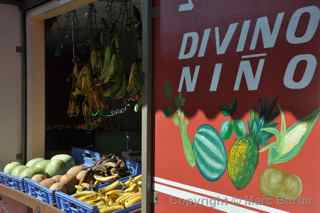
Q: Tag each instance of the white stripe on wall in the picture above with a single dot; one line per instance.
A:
(219, 196)
(201, 200)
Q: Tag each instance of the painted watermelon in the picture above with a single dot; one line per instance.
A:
(210, 153)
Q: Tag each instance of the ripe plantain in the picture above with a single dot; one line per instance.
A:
(132, 200)
(110, 187)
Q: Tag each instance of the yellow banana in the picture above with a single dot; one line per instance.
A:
(133, 188)
(87, 197)
(83, 193)
(93, 59)
(137, 178)
(133, 200)
(93, 201)
(110, 187)
(105, 179)
(123, 198)
(110, 209)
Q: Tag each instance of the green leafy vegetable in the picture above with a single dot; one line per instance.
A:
(180, 120)
(289, 142)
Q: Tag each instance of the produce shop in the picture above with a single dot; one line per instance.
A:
(84, 107)
(160, 106)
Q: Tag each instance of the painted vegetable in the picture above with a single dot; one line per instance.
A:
(226, 130)
(210, 153)
(289, 142)
(280, 184)
(244, 154)
(242, 162)
(180, 120)
(239, 128)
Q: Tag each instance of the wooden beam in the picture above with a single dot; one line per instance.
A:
(27, 200)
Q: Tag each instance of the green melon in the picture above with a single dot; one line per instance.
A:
(17, 170)
(33, 162)
(10, 166)
(41, 165)
(210, 153)
(67, 159)
(242, 162)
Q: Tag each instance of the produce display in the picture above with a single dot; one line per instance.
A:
(98, 185)
(109, 168)
(116, 196)
(58, 165)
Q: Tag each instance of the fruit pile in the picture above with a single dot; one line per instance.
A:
(57, 165)
(108, 169)
(116, 196)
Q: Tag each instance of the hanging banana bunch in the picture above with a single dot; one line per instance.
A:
(73, 107)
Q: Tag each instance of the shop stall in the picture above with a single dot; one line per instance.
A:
(220, 115)
(85, 107)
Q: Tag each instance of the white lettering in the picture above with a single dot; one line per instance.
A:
(186, 77)
(245, 69)
(312, 25)
(216, 77)
(310, 70)
(222, 46)
(204, 42)
(262, 27)
(243, 36)
(194, 45)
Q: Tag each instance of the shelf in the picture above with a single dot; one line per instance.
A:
(26, 200)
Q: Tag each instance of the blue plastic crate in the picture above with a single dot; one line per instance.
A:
(132, 209)
(3, 178)
(39, 192)
(16, 183)
(85, 157)
(68, 204)
(133, 167)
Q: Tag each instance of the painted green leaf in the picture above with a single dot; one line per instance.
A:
(180, 120)
(240, 128)
(187, 147)
(179, 101)
(290, 141)
(168, 90)
(168, 111)
(226, 130)
(228, 110)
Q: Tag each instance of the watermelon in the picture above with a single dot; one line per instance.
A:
(210, 153)
(242, 162)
